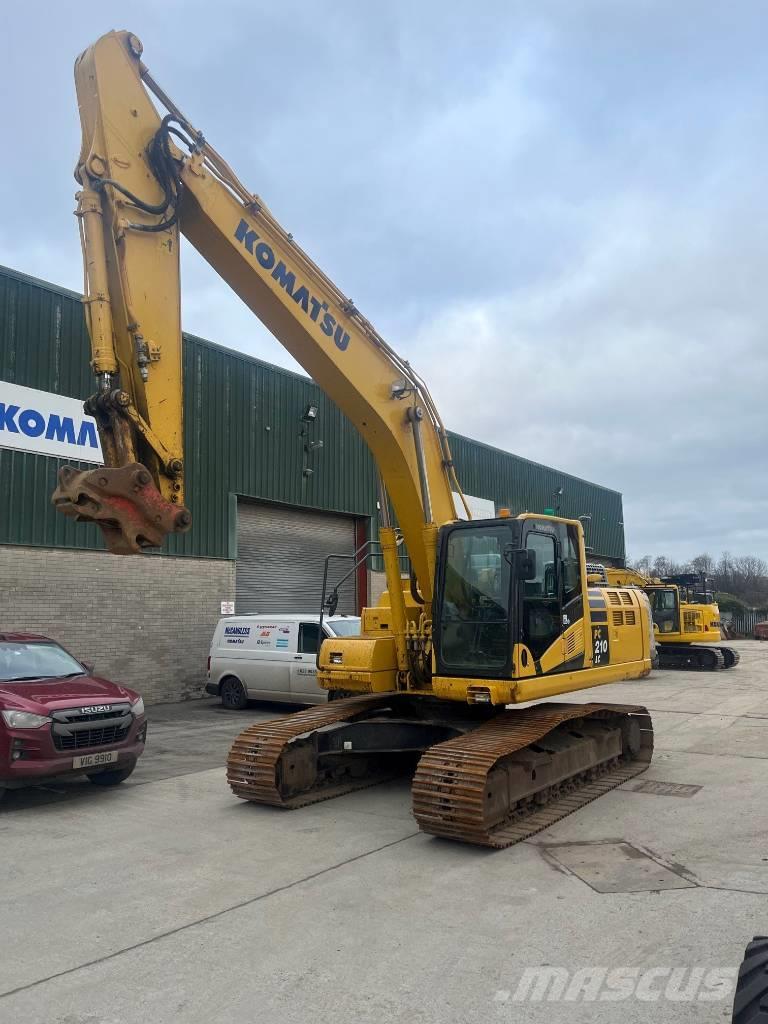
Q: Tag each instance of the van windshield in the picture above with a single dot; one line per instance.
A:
(344, 627)
(19, 661)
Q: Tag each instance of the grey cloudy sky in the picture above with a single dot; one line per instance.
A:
(556, 209)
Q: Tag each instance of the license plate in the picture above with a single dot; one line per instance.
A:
(93, 760)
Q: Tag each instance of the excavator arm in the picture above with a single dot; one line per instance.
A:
(146, 177)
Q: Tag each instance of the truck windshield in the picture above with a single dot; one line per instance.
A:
(663, 600)
(474, 627)
(345, 627)
(19, 661)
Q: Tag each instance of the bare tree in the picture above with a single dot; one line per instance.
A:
(743, 576)
(705, 564)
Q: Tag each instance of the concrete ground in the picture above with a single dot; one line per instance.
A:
(167, 899)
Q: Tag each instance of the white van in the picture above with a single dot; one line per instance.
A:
(271, 657)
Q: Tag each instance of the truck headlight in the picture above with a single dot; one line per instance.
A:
(137, 708)
(24, 719)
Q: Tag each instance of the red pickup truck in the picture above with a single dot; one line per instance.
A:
(58, 720)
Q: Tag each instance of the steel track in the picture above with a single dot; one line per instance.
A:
(697, 657)
(449, 788)
(254, 758)
(449, 784)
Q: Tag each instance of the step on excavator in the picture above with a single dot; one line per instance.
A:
(686, 618)
(496, 612)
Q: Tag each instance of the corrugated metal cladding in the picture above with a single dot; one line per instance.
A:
(281, 555)
(524, 486)
(243, 436)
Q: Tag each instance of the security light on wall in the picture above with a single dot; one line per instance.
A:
(310, 414)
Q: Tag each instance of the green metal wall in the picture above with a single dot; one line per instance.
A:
(242, 436)
(525, 486)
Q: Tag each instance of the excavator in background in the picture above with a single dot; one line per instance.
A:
(686, 618)
(496, 612)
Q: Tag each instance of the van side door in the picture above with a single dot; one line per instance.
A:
(266, 669)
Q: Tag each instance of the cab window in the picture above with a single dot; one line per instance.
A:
(474, 626)
(571, 566)
(541, 623)
(309, 638)
(545, 583)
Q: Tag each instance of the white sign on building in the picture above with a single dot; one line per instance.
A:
(46, 424)
(481, 508)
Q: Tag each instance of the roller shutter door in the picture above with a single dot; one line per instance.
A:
(281, 555)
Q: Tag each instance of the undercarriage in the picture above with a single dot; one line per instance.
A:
(484, 776)
(697, 657)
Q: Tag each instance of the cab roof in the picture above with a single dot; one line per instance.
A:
(25, 638)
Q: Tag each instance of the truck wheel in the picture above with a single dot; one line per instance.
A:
(750, 1004)
(112, 778)
(233, 695)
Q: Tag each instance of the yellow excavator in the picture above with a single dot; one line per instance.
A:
(496, 612)
(686, 618)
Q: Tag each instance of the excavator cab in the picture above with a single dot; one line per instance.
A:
(665, 608)
(502, 582)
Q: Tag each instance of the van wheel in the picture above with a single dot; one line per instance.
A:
(233, 695)
(113, 778)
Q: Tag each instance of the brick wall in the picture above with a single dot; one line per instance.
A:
(377, 584)
(144, 621)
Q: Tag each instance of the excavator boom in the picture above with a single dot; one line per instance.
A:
(147, 179)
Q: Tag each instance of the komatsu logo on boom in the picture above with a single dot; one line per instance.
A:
(47, 424)
(313, 307)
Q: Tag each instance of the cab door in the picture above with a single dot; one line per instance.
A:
(304, 685)
(665, 606)
(541, 622)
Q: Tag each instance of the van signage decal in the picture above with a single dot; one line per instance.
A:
(236, 634)
(47, 424)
